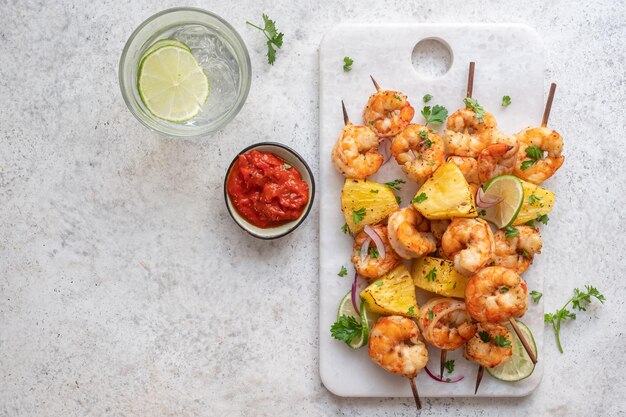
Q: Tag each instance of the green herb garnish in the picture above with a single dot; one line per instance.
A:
(506, 101)
(343, 271)
(346, 328)
(510, 231)
(427, 98)
(274, 38)
(534, 153)
(358, 215)
(394, 184)
(347, 63)
(449, 365)
(501, 341)
(479, 112)
(435, 116)
(419, 198)
(432, 275)
(536, 296)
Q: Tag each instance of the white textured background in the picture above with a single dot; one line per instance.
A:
(125, 288)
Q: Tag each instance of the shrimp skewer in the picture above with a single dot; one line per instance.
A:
(395, 346)
(496, 294)
(445, 324)
(539, 168)
(355, 153)
(490, 347)
(387, 112)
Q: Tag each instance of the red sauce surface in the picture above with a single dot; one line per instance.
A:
(265, 190)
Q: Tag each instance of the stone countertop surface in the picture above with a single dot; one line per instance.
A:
(126, 289)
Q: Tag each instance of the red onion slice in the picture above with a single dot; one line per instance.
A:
(377, 240)
(365, 247)
(485, 201)
(447, 380)
(353, 295)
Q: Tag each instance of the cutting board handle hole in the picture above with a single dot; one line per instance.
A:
(432, 57)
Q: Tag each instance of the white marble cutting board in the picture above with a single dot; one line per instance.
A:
(509, 61)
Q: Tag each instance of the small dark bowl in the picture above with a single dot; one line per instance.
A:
(293, 159)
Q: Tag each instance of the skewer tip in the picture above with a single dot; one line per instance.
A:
(546, 112)
(470, 79)
(416, 396)
(479, 377)
(375, 83)
(346, 120)
(442, 362)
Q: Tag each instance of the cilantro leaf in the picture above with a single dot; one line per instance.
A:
(533, 199)
(435, 116)
(427, 98)
(534, 153)
(411, 311)
(449, 365)
(484, 336)
(398, 200)
(358, 215)
(510, 232)
(423, 134)
(419, 198)
(344, 228)
(347, 63)
(343, 271)
(274, 38)
(501, 341)
(394, 184)
(543, 218)
(506, 101)
(430, 315)
(431, 275)
(579, 301)
(536, 296)
(346, 328)
(479, 112)
(373, 252)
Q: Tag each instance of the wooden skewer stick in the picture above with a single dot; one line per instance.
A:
(375, 84)
(479, 377)
(416, 396)
(546, 112)
(346, 120)
(442, 362)
(519, 333)
(470, 79)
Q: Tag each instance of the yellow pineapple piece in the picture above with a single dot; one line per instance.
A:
(366, 203)
(532, 207)
(445, 195)
(393, 293)
(439, 276)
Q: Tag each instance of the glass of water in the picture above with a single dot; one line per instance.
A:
(217, 48)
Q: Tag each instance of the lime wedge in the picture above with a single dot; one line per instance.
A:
(509, 188)
(163, 42)
(172, 85)
(519, 366)
(367, 319)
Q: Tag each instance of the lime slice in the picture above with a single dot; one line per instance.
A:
(172, 85)
(366, 317)
(163, 42)
(509, 188)
(519, 366)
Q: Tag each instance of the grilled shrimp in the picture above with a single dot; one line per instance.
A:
(409, 234)
(469, 243)
(418, 151)
(445, 324)
(373, 265)
(497, 159)
(468, 166)
(466, 135)
(356, 154)
(490, 346)
(388, 113)
(494, 294)
(546, 140)
(517, 252)
(394, 345)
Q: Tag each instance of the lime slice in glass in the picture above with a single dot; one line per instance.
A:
(519, 366)
(367, 319)
(509, 189)
(161, 43)
(172, 85)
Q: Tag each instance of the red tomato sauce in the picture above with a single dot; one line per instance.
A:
(265, 190)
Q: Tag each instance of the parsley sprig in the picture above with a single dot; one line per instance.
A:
(394, 185)
(435, 116)
(534, 153)
(479, 112)
(346, 328)
(347, 63)
(274, 38)
(449, 365)
(506, 101)
(358, 215)
(579, 301)
(419, 198)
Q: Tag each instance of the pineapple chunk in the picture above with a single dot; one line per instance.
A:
(540, 204)
(393, 293)
(368, 202)
(439, 276)
(445, 195)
